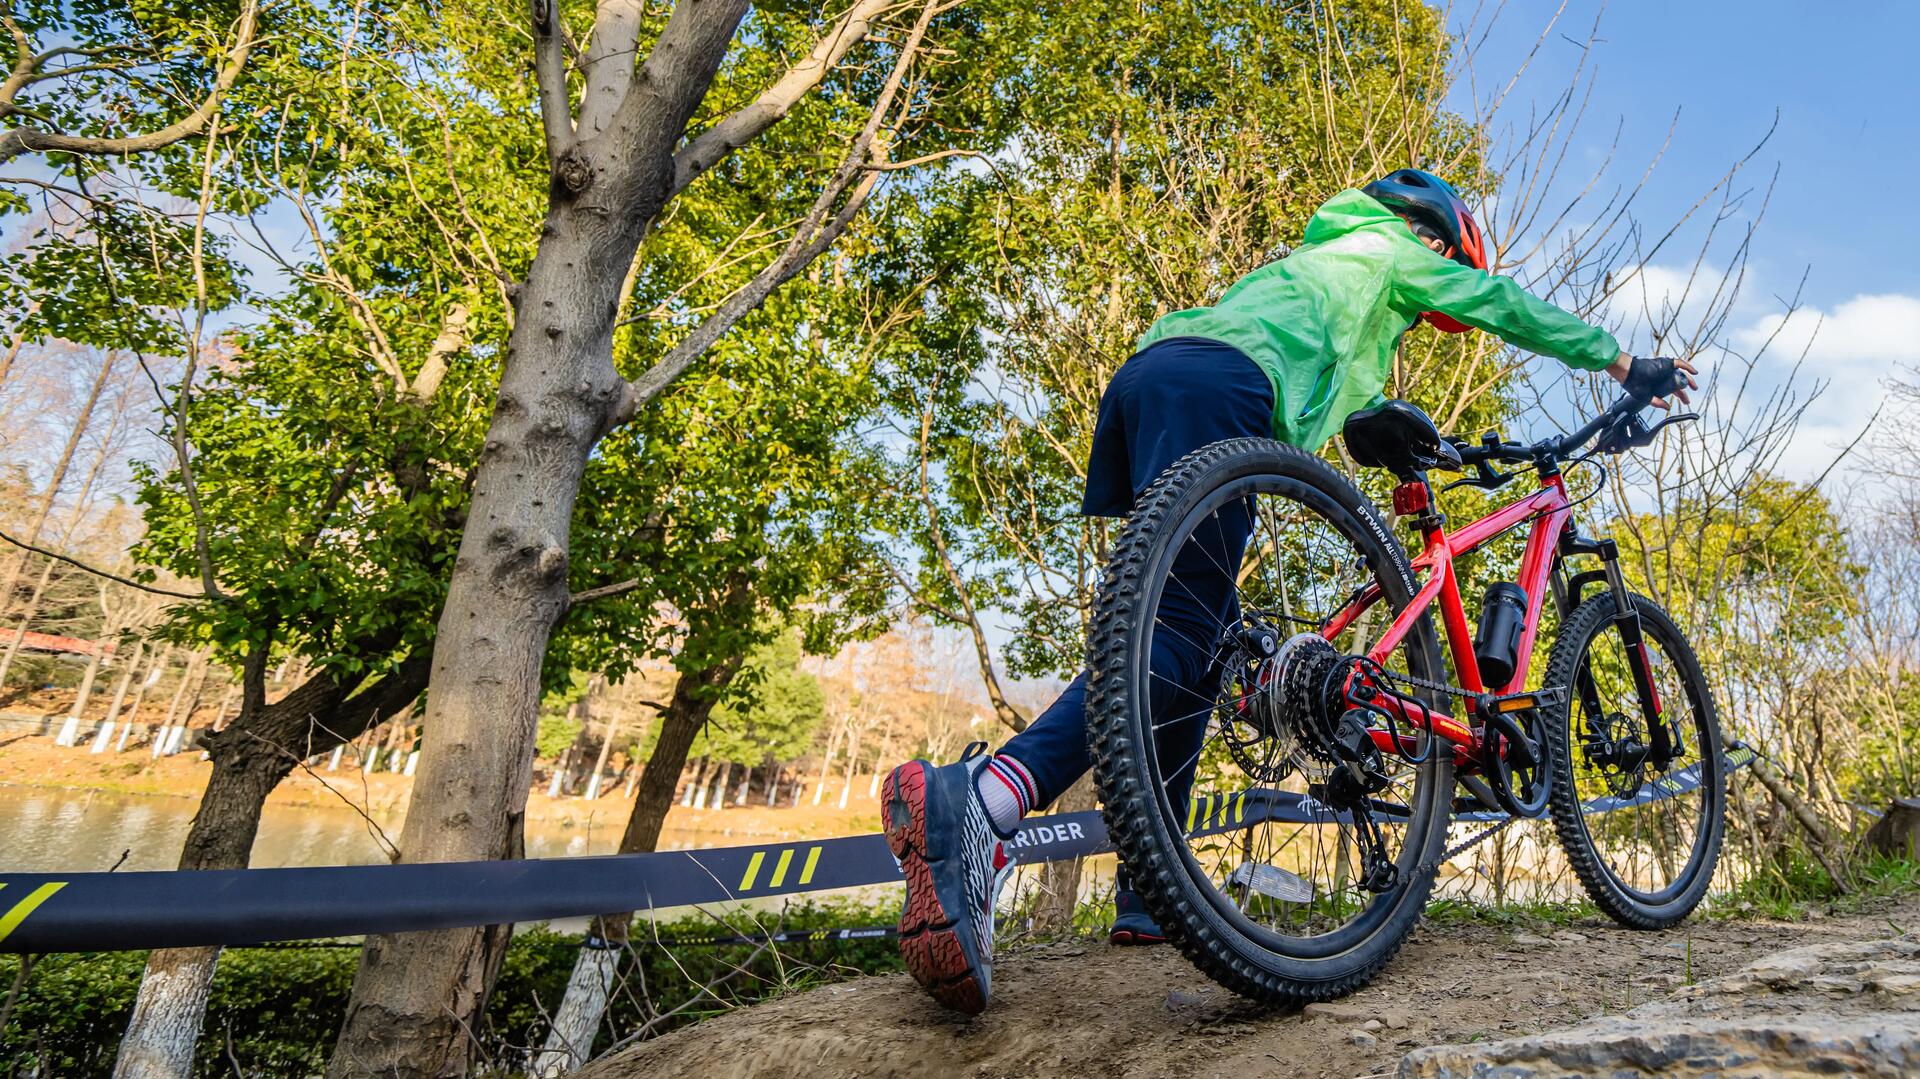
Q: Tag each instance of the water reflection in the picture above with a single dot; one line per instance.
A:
(52, 830)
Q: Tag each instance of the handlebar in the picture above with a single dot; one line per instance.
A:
(1616, 429)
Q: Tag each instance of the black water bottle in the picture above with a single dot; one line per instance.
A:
(1497, 644)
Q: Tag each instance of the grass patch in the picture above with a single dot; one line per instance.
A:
(1790, 890)
(1514, 915)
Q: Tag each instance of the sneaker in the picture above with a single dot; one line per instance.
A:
(939, 832)
(1131, 922)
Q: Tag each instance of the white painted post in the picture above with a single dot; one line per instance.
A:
(570, 1040)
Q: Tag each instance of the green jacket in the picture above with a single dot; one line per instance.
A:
(1324, 321)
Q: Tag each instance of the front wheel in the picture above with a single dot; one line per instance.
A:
(1642, 833)
(1277, 879)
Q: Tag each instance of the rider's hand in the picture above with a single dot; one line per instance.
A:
(1622, 369)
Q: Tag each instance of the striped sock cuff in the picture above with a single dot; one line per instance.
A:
(1015, 776)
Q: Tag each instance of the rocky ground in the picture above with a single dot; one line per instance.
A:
(1831, 995)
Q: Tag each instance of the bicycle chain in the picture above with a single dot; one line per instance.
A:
(1465, 845)
(1485, 834)
(1422, 683)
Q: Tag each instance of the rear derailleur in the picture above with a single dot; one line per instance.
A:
(1349, 788)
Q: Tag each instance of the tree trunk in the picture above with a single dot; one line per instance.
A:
(59, 475)
(746, 784)
(250, 757)
(67, 530)
(164, 736)
(606, 741)
(416, 998)
(774, 772)
(826, 762)
(698, 783)
(1060, 881)
(586, 1000)
(160, 656)
(70, 730)
(226, 701)
(570, 1040)
(119, 696)
(853, 762)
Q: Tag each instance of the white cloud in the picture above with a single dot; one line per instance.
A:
(1867, 337)
(1675, 299)
(1853, 350)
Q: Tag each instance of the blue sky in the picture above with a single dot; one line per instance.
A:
(1847, 149)
(1839, 81)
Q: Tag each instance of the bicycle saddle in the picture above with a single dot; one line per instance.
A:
(1397, 436)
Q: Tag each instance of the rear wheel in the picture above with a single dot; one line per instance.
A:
(1216, 795)
(1642, 834)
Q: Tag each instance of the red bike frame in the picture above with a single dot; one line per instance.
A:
(1549, 510)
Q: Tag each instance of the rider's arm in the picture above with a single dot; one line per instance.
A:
(1433, 282)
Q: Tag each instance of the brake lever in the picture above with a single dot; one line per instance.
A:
(1678, 417)
(1632, 434)
(1485, 478)
(1645, 435)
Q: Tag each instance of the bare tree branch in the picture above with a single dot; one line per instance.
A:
(550, 75)
(745, 125)
(19, 140)
(98, 572)
(619, 588)
(609, 63)
(815, 234)
(450, 340)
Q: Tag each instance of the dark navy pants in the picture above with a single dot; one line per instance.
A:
(1168, 400)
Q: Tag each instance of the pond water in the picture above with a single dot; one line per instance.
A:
(45, 829)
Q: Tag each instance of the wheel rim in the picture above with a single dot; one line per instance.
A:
(1648, 827)
(1303, 561)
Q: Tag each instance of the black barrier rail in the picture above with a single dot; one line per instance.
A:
(69, 912)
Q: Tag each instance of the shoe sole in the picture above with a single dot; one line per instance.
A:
(929, 935)
(1128, 938)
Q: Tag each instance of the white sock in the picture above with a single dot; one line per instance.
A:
(1008, 792)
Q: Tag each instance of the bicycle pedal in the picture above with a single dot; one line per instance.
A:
(1547, 697)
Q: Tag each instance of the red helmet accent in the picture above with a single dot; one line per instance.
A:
(1433, 201)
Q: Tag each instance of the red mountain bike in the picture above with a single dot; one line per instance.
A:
(1289, 829)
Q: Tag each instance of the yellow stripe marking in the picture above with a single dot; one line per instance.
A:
(1233, 809)
(780, 868)
(1193, 810)
(806, 871)
(28, 905)
(753, 870)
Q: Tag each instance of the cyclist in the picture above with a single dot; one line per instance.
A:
(1289, 352)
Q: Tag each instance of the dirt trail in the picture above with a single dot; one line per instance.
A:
(1088, 1010)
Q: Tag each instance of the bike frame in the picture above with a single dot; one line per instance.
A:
(1550, 511)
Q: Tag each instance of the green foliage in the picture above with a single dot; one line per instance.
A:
(554, 735)
(1795, 883)
(771, 712)
(334, 495)
(276, 1010)
(1165, 150)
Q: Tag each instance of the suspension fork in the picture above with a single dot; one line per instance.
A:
(1663, 741)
